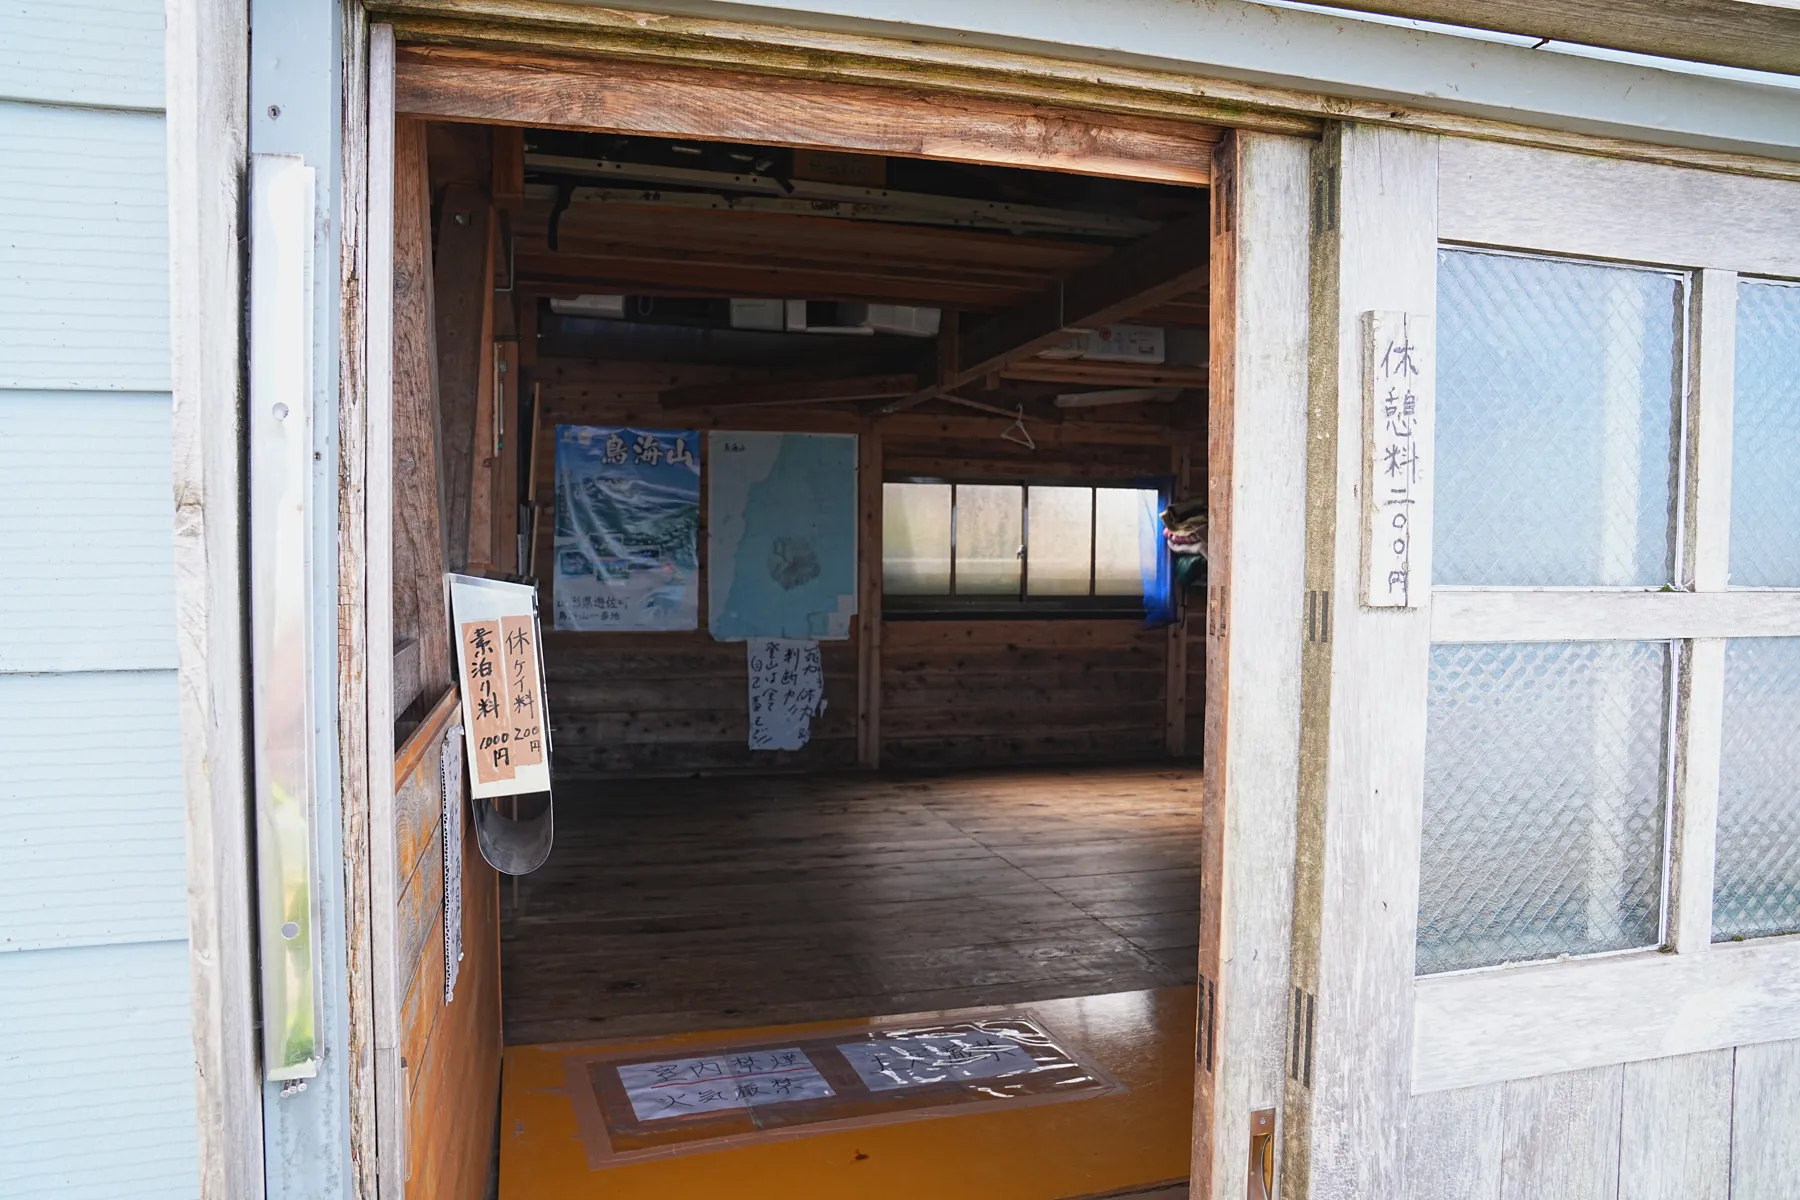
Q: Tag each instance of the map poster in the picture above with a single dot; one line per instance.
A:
(627, 528)
(781, 535)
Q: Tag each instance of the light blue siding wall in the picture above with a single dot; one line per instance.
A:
(96, 1055)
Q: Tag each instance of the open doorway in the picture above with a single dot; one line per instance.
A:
(983, 819)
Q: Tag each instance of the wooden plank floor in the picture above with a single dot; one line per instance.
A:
(697, 904)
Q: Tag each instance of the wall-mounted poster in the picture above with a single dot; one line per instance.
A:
(627, 528)
(781, 535)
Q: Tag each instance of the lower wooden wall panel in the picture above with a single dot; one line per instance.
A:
(1765, 1126)
(450, 1053)
(962, 693)
(1722, 1125)
(677, 703)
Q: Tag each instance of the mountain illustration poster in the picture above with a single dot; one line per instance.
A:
(780, 535)
(627, 528)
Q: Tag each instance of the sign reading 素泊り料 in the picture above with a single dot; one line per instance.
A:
(1398, 372)
(501, 670)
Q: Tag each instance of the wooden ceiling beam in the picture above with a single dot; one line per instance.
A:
(787, 391)
(1171, 262)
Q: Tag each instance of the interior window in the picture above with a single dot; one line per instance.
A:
(1007, 547)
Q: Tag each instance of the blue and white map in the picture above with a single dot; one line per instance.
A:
(781, 535)
(627, 528)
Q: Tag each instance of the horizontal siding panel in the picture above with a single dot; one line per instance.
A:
(97, 1074)
(101, 52)
(92, 805)
(88, 519)
(84, 284)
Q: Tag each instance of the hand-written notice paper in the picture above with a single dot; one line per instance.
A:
(518, 642)
(1397, 408)
(485, 686)
(505, 691)
(720, 1083)
(918, 1061)
(787, 689)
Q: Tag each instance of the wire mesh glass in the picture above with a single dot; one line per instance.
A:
(915, 539)
(1756, 867)
(1765, 454)
(1558, 423)
(1546, 796)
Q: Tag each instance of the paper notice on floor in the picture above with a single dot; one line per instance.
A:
(683, 1086)
(787, 689)
(951, 1058)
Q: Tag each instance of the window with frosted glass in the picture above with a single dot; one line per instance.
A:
(1048, 546)
(1559, 394)
(1765, 452)
(1756, 867)
(1546, 797)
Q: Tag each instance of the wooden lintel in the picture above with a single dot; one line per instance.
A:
(1168, 263)
(807, 391)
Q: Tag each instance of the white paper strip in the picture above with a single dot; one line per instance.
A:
(1398, 377)
(450, 783)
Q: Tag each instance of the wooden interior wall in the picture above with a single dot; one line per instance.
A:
(951, 692)
(450, 1052)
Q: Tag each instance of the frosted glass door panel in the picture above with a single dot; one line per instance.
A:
(1756, 873)
(1765, 455)
(1545, 801)
(915, 539)
(990, 532)
(1557, 422)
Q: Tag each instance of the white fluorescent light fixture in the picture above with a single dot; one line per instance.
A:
(281, 608)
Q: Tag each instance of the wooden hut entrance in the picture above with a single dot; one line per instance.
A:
(988, 810)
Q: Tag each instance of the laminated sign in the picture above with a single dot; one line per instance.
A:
(502, 671)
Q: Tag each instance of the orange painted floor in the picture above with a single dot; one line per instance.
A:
(1131, 1138)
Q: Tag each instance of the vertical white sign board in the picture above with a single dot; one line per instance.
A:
(1399, 375)
(500, 666)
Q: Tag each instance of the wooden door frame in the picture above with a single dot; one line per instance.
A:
(1262, 598)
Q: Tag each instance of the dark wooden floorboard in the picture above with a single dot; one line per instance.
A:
(674, 905)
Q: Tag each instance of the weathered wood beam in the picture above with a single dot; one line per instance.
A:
(788, 391)
(1164, 265)
(462, 279)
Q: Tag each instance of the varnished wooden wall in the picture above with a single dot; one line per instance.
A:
(962, 693)
(450, 1052)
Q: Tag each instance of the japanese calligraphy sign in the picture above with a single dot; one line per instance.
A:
(627, 528)
(684, 1086)
(918, 1061)
(787, 689)
(1398, 377)
(501, 667)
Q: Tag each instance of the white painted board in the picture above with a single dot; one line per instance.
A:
(500, 664)
(1398, 374)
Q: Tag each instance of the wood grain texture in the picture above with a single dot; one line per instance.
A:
(1560, 1136)
(1356, 892)
(1256, 483)
(1517, 1022)
(1545, 615)
(461, 276)
(1579, 204)
(1454, 1145)
(355, 718)
(868, 600)
(454, 1092)
(704, 904)
(1765, 1154)
(562, 91)
(975, 70)
(1675, 1139)
(418, 468)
